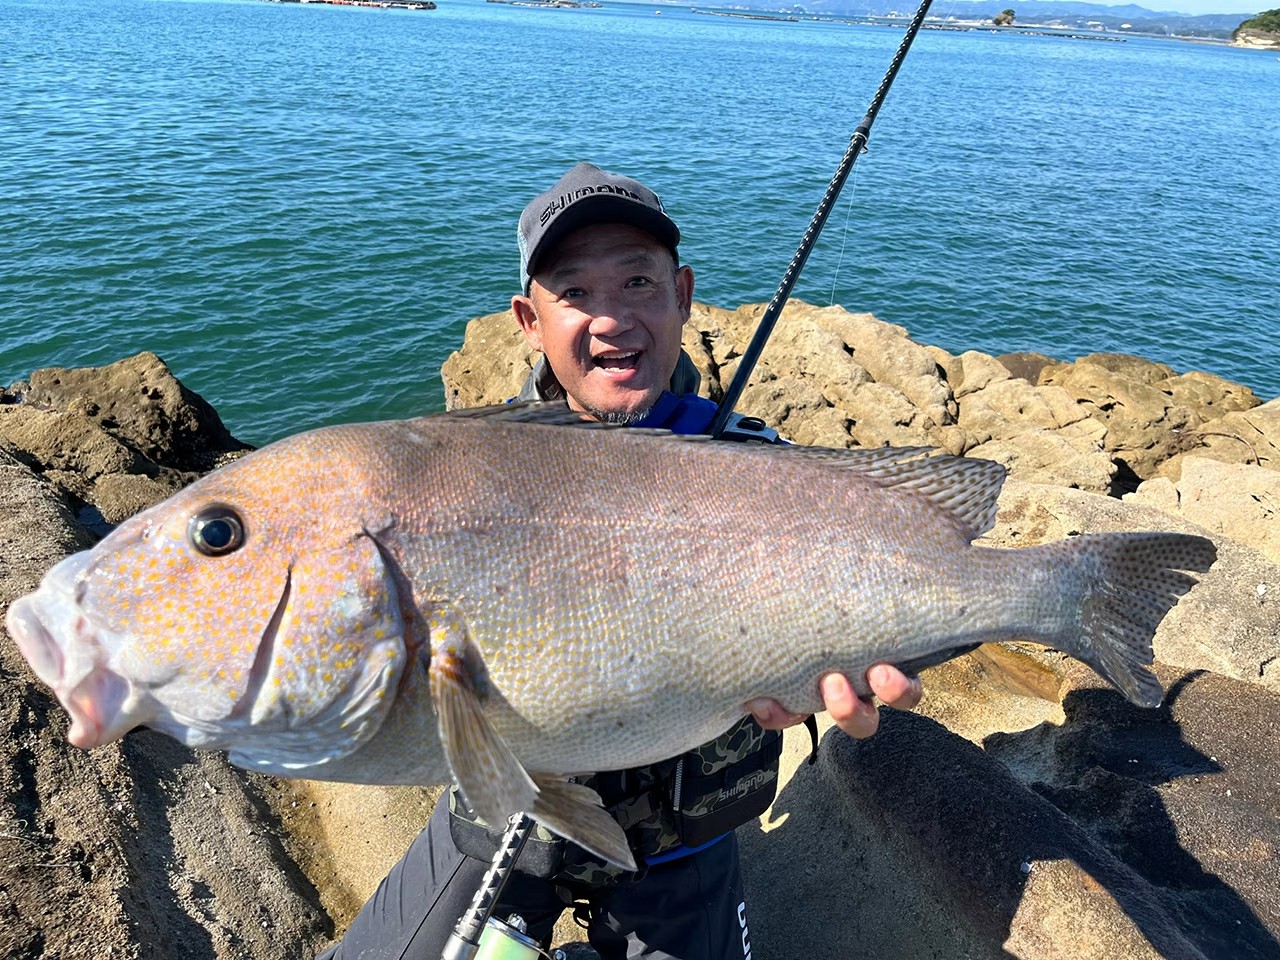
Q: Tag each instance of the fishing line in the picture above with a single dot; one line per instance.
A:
(945, 14)
(844, 237)
(857, 146)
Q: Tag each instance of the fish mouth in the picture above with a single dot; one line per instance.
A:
(103, 705)
(35, 643)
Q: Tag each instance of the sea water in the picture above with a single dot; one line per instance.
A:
(300, 206)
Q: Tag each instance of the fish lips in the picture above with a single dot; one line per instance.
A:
(37, 620)
(35, 643)
(101, 703)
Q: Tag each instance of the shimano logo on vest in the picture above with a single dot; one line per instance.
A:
(746, 784)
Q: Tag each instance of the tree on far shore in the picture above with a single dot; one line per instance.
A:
(1003, 19)
(1268, 22)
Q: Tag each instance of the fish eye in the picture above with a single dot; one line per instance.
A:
(216, 531)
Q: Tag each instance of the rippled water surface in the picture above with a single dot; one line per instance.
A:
(299, 207)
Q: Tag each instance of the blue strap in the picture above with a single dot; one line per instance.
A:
(678, 852)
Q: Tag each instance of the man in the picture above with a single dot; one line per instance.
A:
(604, 301)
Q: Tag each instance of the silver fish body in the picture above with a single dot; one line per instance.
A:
(503, 599)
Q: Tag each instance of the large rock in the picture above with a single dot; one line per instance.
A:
(828, 376)
(824, 881)
(1151, 412)
(140, 849)
(1240, 436)
(1210, 396)
(827, 366)
(1264, 39)
(345, 837)
(1026, 365)
(1143, 423)
(1115, 833)
(1043, 456)
(1039, 432)
(118, 437)
(139, 402)
(491, 364)
(1235, 500)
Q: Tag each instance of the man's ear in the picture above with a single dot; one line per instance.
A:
(684, 291)
(527, 317)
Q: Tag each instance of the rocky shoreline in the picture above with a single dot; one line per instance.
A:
(1023, 811)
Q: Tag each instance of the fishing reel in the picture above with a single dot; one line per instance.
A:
(507, 940)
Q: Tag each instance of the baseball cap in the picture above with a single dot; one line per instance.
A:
(583, 196)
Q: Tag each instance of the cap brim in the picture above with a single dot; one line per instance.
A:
(604, 208)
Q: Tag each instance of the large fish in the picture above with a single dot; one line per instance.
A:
(507, 599)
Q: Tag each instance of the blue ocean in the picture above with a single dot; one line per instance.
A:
(300, 206)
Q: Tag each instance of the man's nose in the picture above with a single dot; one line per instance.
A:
(611, 319)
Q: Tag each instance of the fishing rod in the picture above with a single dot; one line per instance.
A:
(857, 146)
(477, 936)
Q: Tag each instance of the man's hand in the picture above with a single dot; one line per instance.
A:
(857, 717)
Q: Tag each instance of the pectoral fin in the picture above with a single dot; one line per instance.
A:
(493, 781)
(574, 812)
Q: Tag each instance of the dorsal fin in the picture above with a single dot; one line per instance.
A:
(551, 413)
(964, 488)
(556, 413)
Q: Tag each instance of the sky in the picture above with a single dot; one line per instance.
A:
(1198, 7)
(1245, 8)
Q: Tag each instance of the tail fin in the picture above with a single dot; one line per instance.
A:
(1134, 580)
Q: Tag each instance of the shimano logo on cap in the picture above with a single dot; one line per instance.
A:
(559, 203)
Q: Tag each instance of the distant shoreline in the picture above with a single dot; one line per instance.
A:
(962, 26)
(381, 4)
(931, 23)
(742, 13)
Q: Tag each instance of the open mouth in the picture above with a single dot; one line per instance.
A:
(99, 701)
(617, 362)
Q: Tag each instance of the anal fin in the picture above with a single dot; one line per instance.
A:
(573, 811)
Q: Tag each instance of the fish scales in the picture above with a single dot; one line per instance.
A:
(504, 599)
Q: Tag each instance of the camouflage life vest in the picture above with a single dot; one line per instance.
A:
(687, 801)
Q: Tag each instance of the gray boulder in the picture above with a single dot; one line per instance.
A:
(1116, 833)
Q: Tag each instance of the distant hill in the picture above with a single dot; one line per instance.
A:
(1076, 14)
(1079, 14)
(1262, 31)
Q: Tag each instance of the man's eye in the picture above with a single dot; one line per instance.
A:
(639, 282)
(573, 293)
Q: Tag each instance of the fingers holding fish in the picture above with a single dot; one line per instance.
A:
(857, 716)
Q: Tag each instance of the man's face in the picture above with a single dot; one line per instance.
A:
(606, 308)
